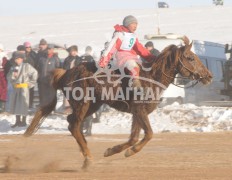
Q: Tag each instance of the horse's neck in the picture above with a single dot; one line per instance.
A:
(166, 76)
(165, 67)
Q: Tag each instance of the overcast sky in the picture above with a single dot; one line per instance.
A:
(27, 7)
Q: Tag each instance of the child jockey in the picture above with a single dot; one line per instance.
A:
(126, 48)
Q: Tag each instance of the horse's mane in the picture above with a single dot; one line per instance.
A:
(167, 57)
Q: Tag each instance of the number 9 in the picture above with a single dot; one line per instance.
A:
(131, 42)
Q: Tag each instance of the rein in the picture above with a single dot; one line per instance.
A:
(191, 86)
(183, 66)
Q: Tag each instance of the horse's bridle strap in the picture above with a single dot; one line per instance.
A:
(183, 66)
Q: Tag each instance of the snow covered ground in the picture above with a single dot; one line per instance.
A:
(172, 118)
(94, 28)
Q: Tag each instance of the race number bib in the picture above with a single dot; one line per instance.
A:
(128, 41)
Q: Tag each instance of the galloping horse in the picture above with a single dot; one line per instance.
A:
(171, 61)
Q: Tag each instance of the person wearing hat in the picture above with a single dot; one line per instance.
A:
(150, 47)
(72, 59)
(125, 46)
(3, 81)
(30, 57)
(43, 45)
(22, 76)
(21, 48)
(46, 65)
(30, 54)
(42, 52)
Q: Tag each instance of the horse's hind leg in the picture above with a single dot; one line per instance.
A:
(75, 120)
(145, 124)
(134, 137)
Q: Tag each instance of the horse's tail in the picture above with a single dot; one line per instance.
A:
(56, 75)
(44, 111)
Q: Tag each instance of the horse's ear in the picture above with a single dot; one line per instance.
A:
(185, 39)
(188, 47)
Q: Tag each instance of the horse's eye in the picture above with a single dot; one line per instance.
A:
(190, 58)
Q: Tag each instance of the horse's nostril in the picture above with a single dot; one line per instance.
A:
(198, 76)
(209, 77)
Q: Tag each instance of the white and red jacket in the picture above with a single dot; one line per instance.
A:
(125, 46)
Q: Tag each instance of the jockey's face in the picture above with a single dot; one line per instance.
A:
(132, 27)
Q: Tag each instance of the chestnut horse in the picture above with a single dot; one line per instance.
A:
(171, 61)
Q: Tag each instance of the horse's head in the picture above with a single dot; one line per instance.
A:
(189, 65)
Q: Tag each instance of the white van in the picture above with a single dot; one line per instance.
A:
(213, 57)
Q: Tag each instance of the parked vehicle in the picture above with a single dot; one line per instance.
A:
(213, 57)
(218, 2)
(163, 5)
(228, 73)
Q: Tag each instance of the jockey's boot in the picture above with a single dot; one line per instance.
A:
(17, 123)
(23, 123)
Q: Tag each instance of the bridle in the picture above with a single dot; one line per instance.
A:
(192, 73)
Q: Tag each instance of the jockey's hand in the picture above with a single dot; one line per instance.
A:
(102, 63)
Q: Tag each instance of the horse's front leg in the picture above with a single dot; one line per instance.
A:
(134, 137)
(145, 125)
(75, 120)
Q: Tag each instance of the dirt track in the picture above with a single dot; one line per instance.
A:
(167, 156)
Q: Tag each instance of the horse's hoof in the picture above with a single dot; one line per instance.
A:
(129, 152)
(87, 163)
(109, 152)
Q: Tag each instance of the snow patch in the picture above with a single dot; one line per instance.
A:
(172, 118)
